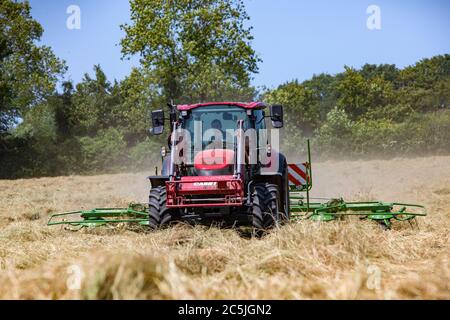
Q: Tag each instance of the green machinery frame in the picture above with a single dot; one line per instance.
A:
(331, 209)
(135, 213)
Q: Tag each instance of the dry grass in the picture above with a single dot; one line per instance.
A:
(339, 260)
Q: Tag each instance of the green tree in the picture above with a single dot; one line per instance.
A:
(94, 103)
(209, 83)
(360, 96)
(334, 136)
(352, 93)
(323, 87)
(62, 106)
(180, 39)
(139, 95)
(425, 86)
(425, 73)
(388, 72)
(28, 72)
(301, 108)
(106, 150)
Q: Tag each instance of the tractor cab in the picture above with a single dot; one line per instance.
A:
(207, 135)
(212, 131)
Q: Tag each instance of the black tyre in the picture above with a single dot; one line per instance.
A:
(159, 215)
(265, 208)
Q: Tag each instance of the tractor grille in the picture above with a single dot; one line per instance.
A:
(205, 191)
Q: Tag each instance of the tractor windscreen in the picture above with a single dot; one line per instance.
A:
(213, 127)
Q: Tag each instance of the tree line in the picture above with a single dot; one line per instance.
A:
(194, 51)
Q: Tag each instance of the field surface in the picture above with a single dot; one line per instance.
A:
(306, 260)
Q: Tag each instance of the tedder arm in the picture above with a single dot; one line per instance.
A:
(135, 213)
(381, 212)
(300, 180)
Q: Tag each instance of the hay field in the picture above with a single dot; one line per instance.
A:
(306, 260)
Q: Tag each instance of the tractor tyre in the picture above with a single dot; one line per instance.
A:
(272, 201)
(159, 215)
(264, 209)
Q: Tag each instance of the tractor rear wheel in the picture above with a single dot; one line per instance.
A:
(265, 208)
(159, 214)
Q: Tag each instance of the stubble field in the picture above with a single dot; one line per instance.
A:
(305, 260)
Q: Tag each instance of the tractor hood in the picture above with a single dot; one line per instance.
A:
(214, 161)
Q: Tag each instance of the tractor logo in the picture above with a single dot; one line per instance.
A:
(205, 184)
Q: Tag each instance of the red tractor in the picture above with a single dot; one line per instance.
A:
(221, 167)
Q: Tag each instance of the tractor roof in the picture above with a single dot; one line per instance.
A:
(250, 105)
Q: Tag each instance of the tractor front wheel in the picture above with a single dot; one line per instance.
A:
(159, 214)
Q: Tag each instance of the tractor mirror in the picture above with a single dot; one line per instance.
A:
(157, 122)
(276, 115)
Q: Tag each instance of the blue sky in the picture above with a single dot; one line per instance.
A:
(295, 39)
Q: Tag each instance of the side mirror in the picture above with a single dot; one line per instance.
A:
(276, 115)
(157, 122)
